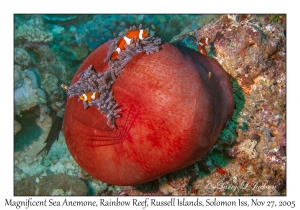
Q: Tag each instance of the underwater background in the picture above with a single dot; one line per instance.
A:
(250, 155)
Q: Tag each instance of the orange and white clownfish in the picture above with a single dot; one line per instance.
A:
(139, 33)
(89, 96)
(201, 45)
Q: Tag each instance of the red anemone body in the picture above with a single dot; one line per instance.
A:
(172, 114)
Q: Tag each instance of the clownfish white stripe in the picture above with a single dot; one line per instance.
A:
(93, 96)
(127, 40)
(206, 40)
(90, 96)
(141, 34)
(118, 50)
(200, 43)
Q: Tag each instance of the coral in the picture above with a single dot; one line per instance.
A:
(50, 84)
(18, 78)
(50, 62)
(57, 30)
(274, 159)
(277, 18)
(175, 187)
(252, 49)
(72, 44)
(55, 95)
(59, 184)
(17, 126)
(100, 187)
(247, 147)
(27, 95)
(77, 52)
(31, 34)
(33, 77)
(43, 114)
(58, 192)
(58, 160)
(21, 57)
(238, 42)
(33, 31)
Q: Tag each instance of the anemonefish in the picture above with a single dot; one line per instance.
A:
(140, 34)
(201, 45)
(89, 96)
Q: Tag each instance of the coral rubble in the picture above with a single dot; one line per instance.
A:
(59, 184)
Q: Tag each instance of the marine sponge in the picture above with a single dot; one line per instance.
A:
(172, 114)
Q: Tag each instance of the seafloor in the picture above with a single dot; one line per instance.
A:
(250, 155)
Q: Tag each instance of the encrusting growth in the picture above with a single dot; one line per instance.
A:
(95, 89)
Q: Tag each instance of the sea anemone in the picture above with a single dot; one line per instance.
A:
(172, 111)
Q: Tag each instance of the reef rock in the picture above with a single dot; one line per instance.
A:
(17, 126)
(21, 57)
(49, 185)
(31, 34)
(51, 85)
(26, 93)
(246, 47)
(172, 114)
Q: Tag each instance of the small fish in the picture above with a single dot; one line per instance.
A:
(201, 45)
(53, 134)
(127, 39)
(89, 96)
(65, 87)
